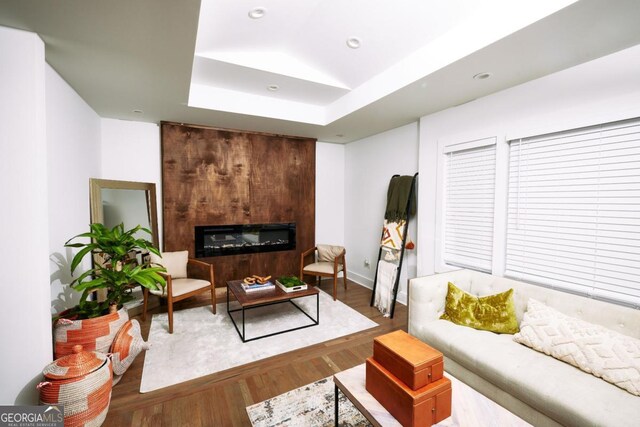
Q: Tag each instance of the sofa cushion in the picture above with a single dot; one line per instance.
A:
(567, 394)
(433, 289)
(494, 313)
(594, 349)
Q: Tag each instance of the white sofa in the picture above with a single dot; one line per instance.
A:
(538, 388)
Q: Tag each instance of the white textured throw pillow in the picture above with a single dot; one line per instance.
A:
(594, 349)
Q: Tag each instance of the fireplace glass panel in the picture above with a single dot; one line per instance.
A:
(217, 240)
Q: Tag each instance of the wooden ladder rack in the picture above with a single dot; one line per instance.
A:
(401, 258)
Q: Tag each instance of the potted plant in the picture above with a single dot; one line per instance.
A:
(114, 270)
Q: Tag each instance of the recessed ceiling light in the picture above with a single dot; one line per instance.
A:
(482, 76)
(273, 88)
(353, 42)
(257, 12)
(138, 111)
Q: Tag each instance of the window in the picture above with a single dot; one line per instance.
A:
(574, 211)
(469, 204)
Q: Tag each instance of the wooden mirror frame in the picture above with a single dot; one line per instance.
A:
(95, 197)
(97, 213)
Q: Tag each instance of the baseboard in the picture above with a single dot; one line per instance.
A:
(360, 280)
(402, 298)
(368, 283)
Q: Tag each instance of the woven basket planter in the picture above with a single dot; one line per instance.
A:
(81, 382)
(127, 344)
(92, 334)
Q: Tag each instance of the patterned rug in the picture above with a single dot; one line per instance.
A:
(202, 343)
(310, 405)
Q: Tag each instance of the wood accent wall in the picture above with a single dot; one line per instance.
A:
(216, 176)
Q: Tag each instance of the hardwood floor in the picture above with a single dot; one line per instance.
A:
(220, 399)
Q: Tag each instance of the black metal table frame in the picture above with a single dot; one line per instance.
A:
(242, 334)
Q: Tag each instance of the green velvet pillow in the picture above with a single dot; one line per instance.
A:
(495, 313)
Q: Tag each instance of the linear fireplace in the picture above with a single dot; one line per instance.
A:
(217, 240)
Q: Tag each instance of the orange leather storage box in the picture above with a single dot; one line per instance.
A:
(423, 407)
(412, 361)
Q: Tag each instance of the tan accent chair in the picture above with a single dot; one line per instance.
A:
(185, 278)
(330, 260)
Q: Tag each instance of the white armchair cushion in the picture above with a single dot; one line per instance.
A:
(327, 253)
(321, 267)
(174, 262)
(181, 287)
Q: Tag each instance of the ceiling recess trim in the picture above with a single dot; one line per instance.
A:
(494, 22)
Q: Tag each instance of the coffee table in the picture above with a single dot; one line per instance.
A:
(266, 297)
(468, 407)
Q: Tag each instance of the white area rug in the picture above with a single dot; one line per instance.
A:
(203, 343)
(310, 405)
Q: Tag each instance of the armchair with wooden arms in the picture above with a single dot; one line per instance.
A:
(185, 278)
(330, 260)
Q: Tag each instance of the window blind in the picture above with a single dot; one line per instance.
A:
(469, 201)
(574, 211)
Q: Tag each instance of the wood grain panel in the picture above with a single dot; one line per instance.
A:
(218, 177)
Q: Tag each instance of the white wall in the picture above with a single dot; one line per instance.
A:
(131, 152)
(606, 89)
(330, 193)
(369, 165)
(73, 139)
(25, 333)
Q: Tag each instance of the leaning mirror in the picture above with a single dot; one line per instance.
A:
(127, 202)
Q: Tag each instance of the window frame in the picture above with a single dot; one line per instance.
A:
(446, 146)
(567, 140)
(503, 135)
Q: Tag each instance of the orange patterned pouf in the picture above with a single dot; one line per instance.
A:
(92, 334)
(81, 382)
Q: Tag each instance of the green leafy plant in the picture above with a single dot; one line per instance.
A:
(116, 271)
(290, 281)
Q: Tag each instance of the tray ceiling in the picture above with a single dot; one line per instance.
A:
(291, 71)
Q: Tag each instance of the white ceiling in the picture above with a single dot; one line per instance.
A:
(209, 63)
(302, 45)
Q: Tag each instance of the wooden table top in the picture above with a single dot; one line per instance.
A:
(468, 407)
(247, 299)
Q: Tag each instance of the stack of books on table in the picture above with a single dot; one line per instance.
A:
(254, 287)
